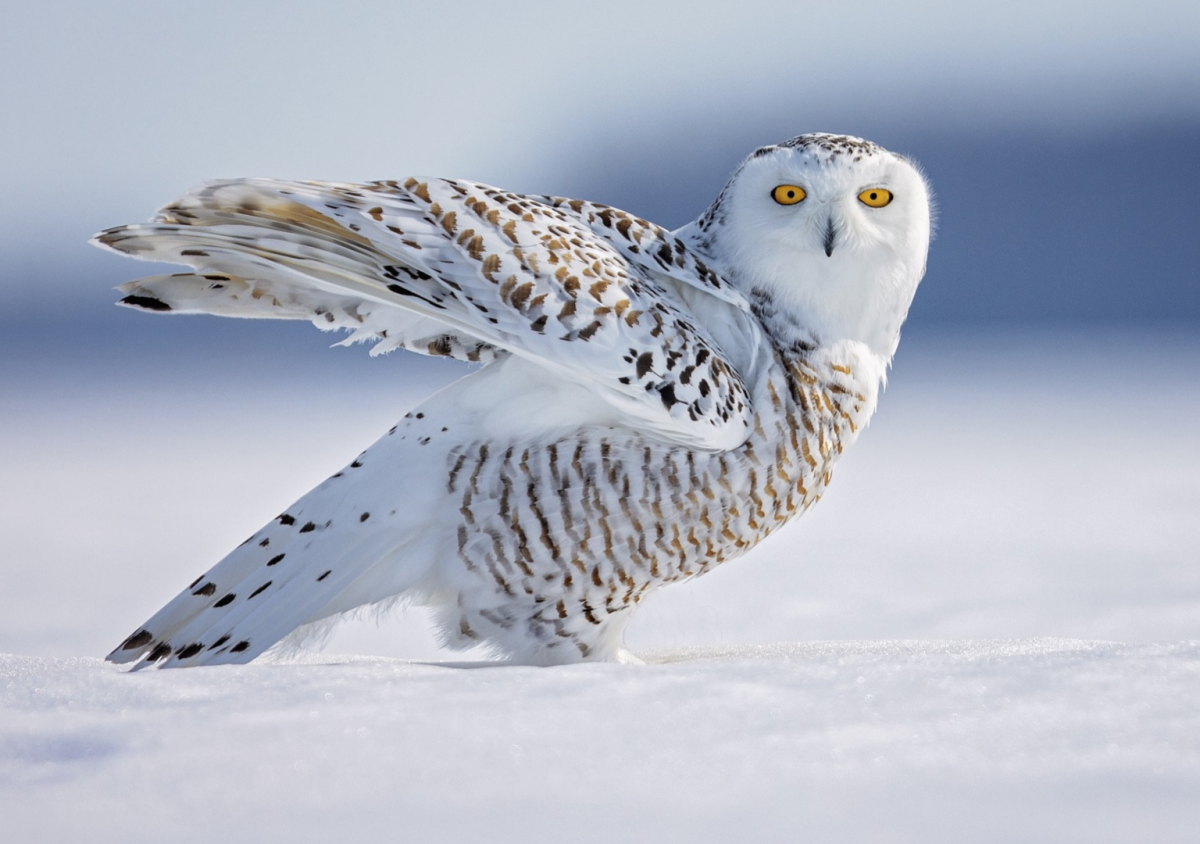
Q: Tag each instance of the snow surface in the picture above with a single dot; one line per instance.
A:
(1020, 497)
(1050, 740)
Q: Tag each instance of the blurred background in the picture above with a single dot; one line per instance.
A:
(1035, 466)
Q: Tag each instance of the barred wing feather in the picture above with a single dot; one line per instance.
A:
(462, 269)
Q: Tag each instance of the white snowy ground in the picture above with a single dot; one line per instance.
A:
(988, 631)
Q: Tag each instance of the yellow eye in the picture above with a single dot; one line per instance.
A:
(788, 194)
(875, 197)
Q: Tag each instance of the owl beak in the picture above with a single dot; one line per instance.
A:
(829, 237)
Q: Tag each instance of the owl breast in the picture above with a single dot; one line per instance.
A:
(558, 540)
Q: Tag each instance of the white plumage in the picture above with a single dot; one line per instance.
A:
(651, 403)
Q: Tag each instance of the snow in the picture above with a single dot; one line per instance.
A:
(883, 741)
(987, 631)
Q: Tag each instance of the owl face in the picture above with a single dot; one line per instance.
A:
(835, 230)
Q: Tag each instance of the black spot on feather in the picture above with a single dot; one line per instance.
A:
(395, 288)
(240, 646)
(146, 303)
(644, 362)
(137, 640)
(228, 599)
(275, 559)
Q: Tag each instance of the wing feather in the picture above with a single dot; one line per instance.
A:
(452, 267)
(354, 539)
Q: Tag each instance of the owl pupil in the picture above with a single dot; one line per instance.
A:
(874, 195)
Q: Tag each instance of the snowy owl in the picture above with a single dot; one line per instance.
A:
(650, 403)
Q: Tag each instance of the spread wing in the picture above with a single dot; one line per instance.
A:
(462, 269)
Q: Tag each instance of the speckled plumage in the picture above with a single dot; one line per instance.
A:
(652, 404)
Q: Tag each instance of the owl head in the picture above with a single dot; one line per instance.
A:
(832, 230)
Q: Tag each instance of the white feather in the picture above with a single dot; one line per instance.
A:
(652, 404)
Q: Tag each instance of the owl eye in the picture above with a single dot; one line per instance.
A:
(788, 194)
(875, 197)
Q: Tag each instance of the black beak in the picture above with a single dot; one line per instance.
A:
(829, 235)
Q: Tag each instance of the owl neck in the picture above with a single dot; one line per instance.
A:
(804, 299)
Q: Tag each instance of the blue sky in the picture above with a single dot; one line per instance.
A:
(111, 109)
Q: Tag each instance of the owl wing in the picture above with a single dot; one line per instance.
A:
(462, 269)
(652, 248)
